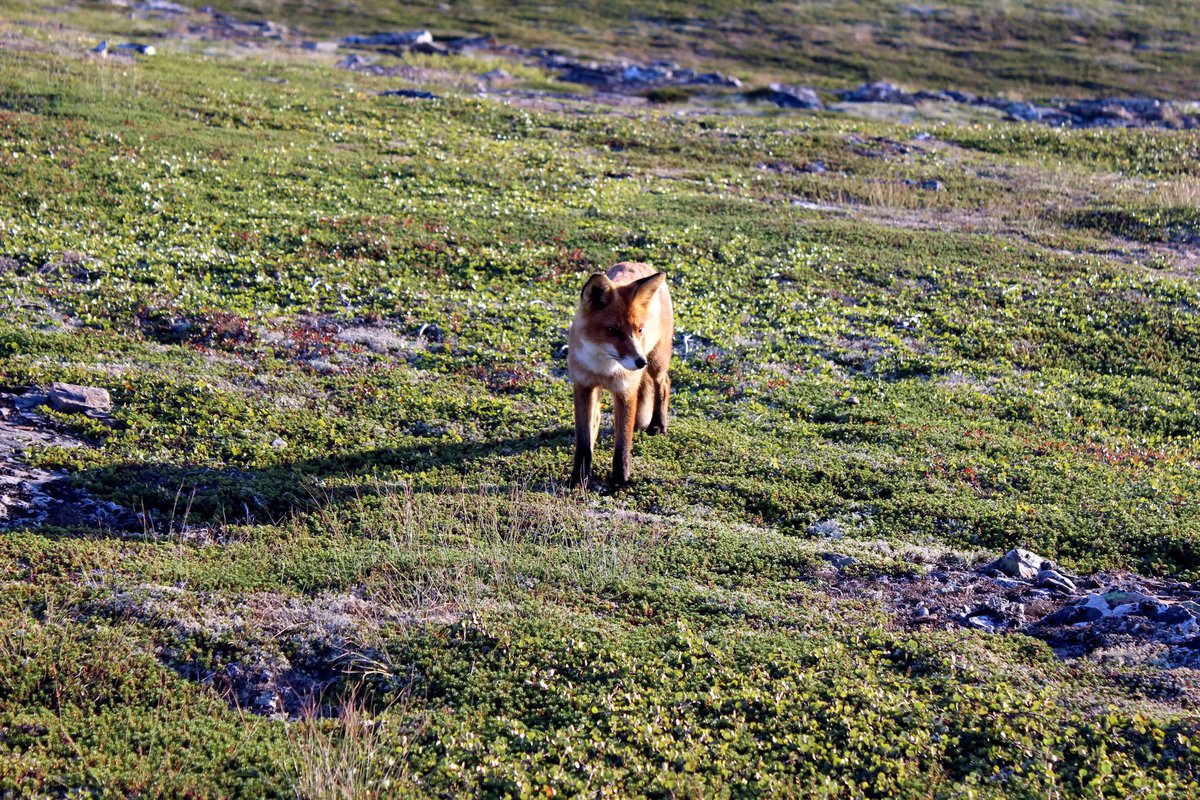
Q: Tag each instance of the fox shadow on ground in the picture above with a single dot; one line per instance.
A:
(163, 496)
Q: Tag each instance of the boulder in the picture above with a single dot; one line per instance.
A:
(1020, 563)
(788, 96)
(69, 398)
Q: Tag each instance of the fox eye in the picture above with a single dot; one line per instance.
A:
(641, 328)
(613, 330)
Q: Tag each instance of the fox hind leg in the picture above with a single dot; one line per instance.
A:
(645, 402)
(595, 416)
(661, 400)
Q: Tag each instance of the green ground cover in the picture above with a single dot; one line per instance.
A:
(331, 324)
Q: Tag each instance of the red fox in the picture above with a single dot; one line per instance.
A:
(621, 340)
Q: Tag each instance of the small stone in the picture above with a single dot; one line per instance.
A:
(1020, 563)
(814, 168)
(921, 612)
(496, 75)
(852, 400)
(1053, 579)
(279, 443)
(931, 186)
(68, 398)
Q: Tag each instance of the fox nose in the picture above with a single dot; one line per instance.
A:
(640, 362)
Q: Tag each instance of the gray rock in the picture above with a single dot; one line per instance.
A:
(1074, 615)
(826, 528)
(398, 39)
(1010, 583)
(635, 73)
(162, 7)
(1053, 579)
(931, 185)
(715, 79)
(788, 96)
(484, 42)
(1020, 563)
(354, 61)
(1095, 601)
(1126, 609)
(985, 622)
(495, 75)
(320, 47)
(879, 92)
(68, 397)
(838, 560)
(1026, 112)
(417, 94)
(1167, 614)
(814, 168)
(1117, 597)
(134, 47)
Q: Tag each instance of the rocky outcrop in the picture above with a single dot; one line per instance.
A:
(31, 496)
(1104, 112)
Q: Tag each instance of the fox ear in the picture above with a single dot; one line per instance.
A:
(646, 287)
(597, 292)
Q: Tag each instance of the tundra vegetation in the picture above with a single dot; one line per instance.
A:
(331, 324)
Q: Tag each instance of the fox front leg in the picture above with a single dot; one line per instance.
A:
(587, 424)
(624, 420)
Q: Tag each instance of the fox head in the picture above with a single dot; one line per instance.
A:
(614, 317)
